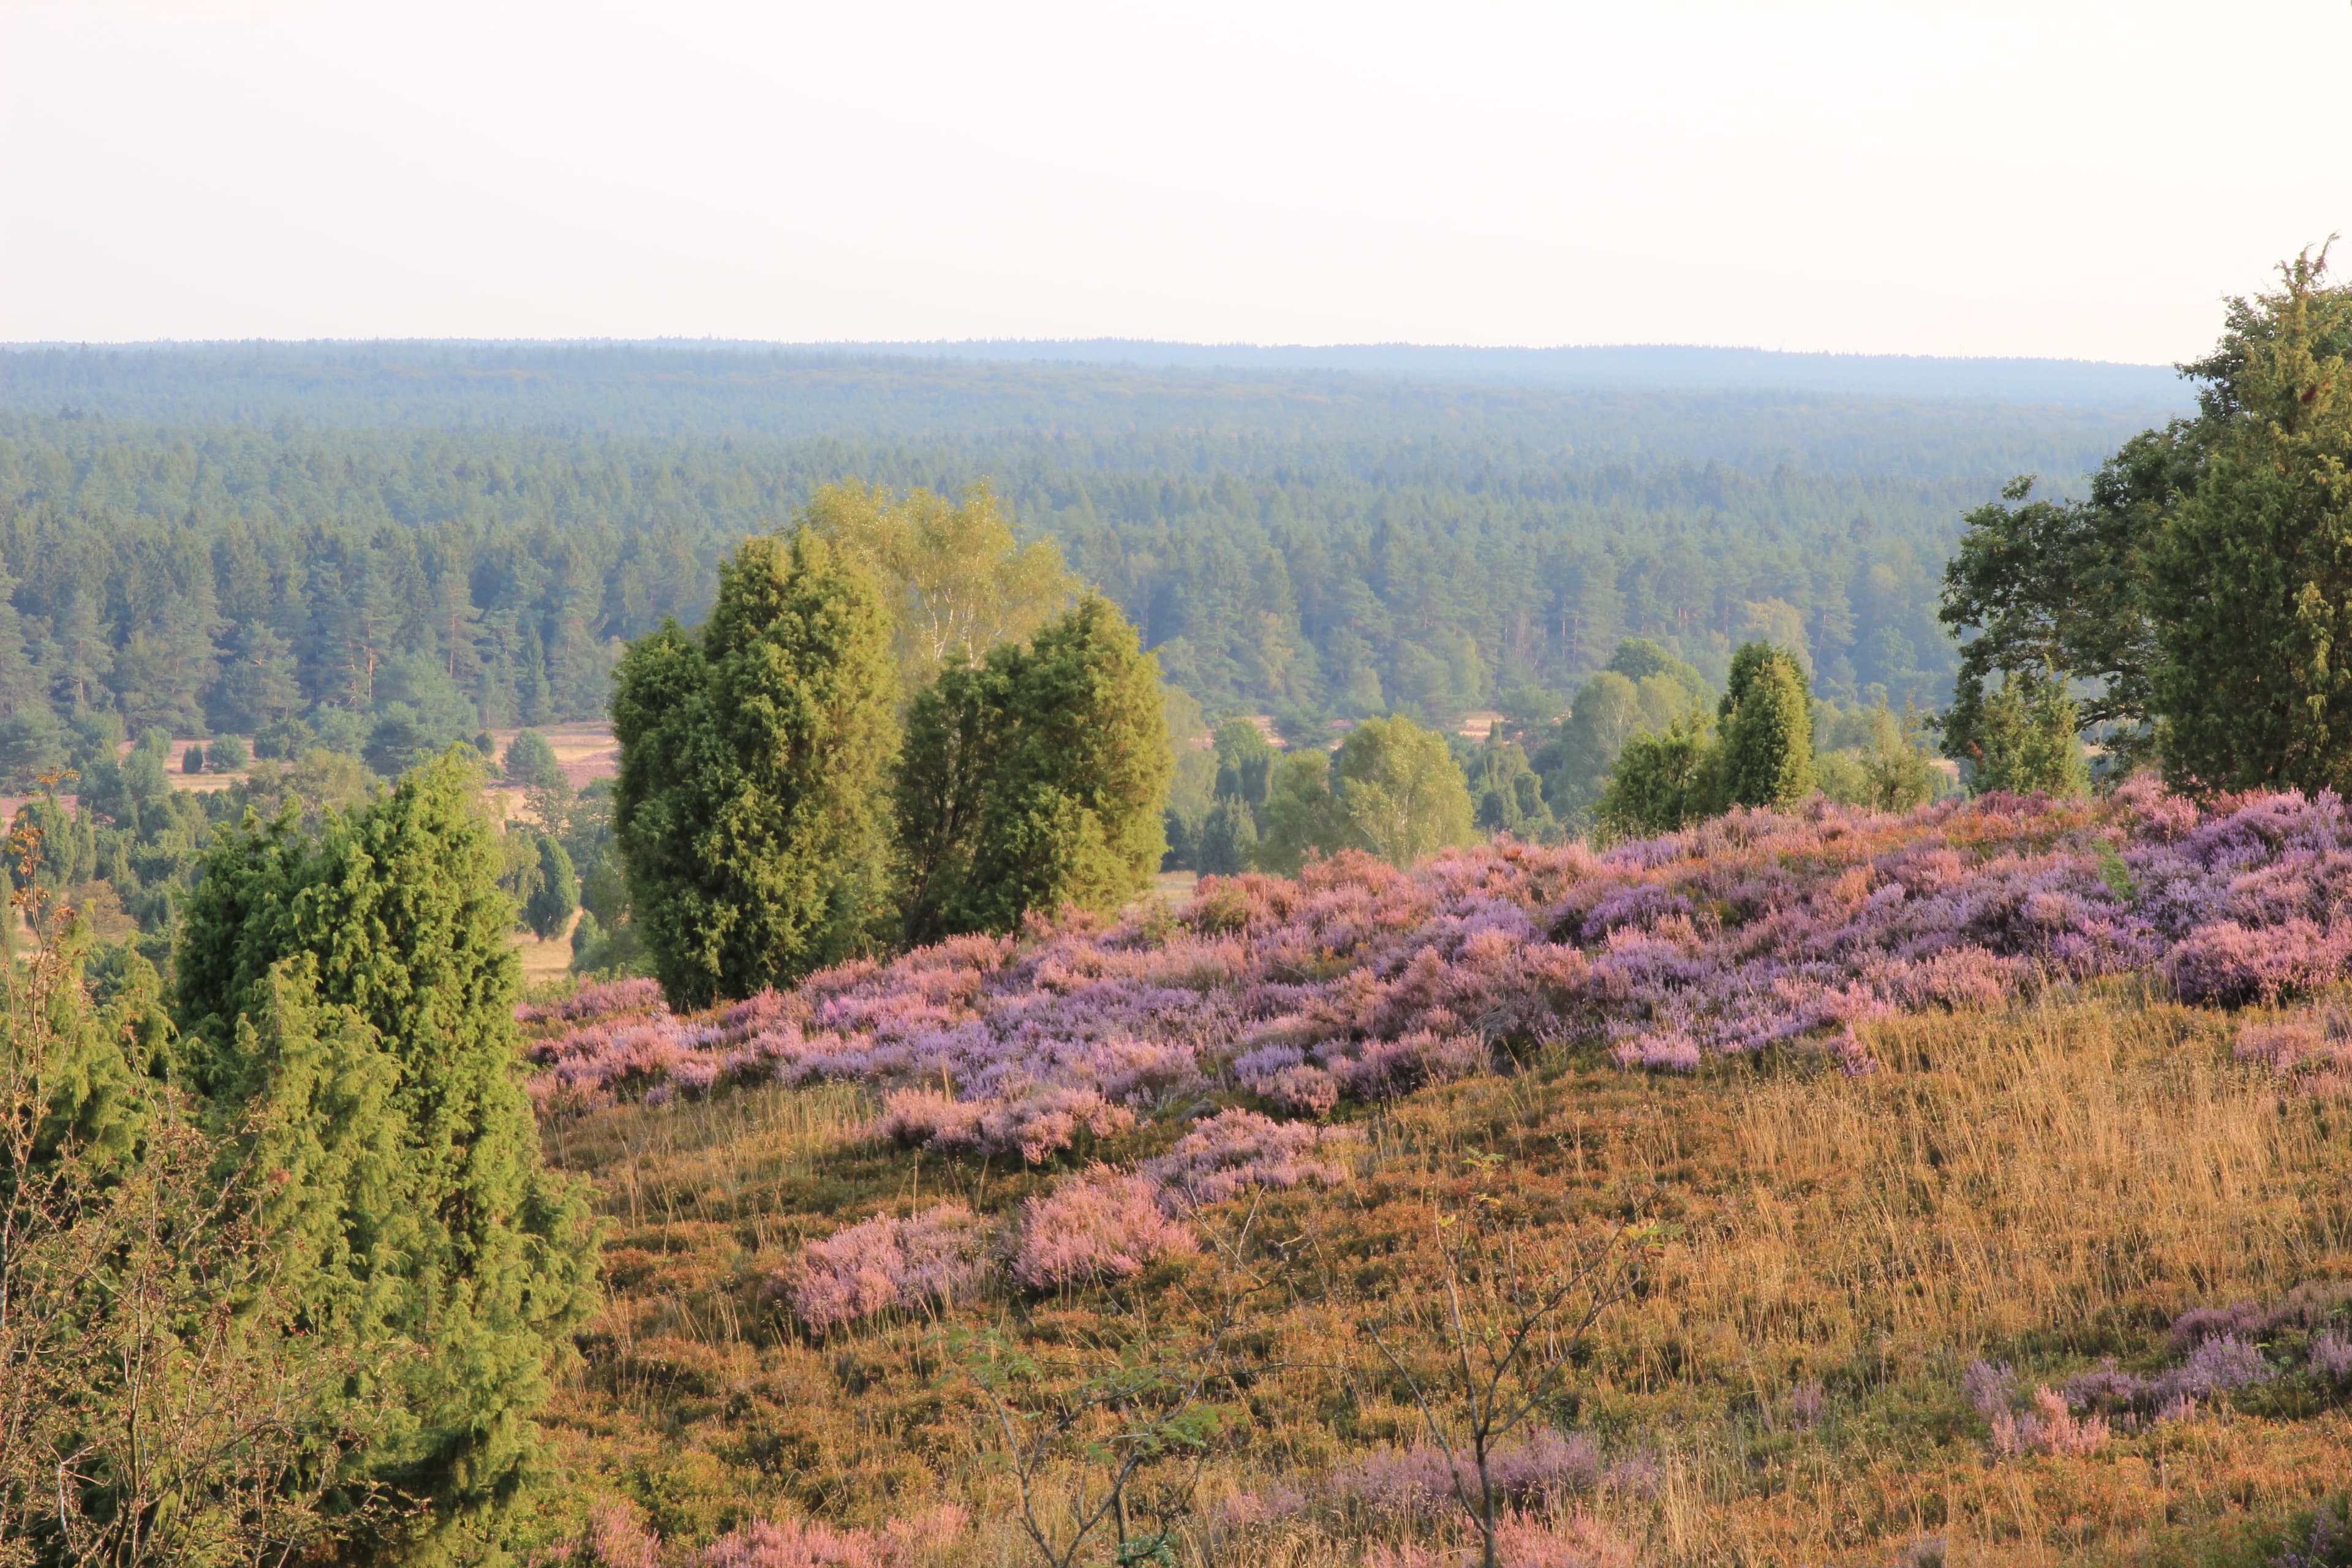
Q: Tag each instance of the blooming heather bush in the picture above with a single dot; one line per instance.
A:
(1034, 1125)
(796, 1544)
(886, 1262)
(615, 1538)
(1419, 1481)
(1358, 980)
(2311, 1054)
(1521, 1540)
(1235, 1150)
(605, 1000)
(1099, 1224)
(2306, 1308)
(2227, 962)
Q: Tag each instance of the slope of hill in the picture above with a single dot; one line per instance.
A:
(1977, 1181)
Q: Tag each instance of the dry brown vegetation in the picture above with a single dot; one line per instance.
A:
(2047, 1185)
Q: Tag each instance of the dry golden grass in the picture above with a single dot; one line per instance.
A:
(2045, 1185)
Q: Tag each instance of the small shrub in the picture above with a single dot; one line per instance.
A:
(798, 1543)
(1099, 1225)
(1237, 1150)
(886, 1263)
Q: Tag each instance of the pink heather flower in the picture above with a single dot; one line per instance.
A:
(2227, 962)
(1303, 1090)
(1752, 931)
(1546, 1468)
(1100, 1224)
(2331, 1358)
(1237, 1150)
(798, 1543)
(2048, 1428)
(615, 1538)
(1522, 1540)
(886, 1263)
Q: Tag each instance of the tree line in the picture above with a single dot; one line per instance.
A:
(397, 590)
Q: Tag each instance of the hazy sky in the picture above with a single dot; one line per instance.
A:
(2066, 177)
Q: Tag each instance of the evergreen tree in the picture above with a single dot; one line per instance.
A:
(556, 893)
(1244, 761)
(1035, 779)
(1663, 782)
(754, 760)
(1301, 817)
(954, 732)
(192, 761)
(1766, 722)
(32, 742)
(1506, 794)
(257, 687)
(1896, 764)
(352, 995)
(2251, 587)
(2024, 740)
(1228, 839)
(531, 762)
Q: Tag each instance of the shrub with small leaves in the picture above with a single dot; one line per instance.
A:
(1099, 1224)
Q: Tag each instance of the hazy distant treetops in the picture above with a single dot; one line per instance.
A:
(242, 581)
(706, 394)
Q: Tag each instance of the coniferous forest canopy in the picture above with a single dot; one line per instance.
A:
(210, 540)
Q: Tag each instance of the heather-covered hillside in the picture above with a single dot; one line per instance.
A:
(1976, 1177)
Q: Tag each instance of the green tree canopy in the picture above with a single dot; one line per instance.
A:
(1228, 843)
(352, 995)
(2251, 587)
(1301, 817)
(1765, 723)
(1243, 760)
(1506, 793)
(531, 762)
(2024, 739)
(2196, 598)
(555, 893)
(1664, 781)
(1398, 795)
(1034, 778)
(957, 580)
(751, 808)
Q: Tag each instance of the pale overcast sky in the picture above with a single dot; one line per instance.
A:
(2068, 177)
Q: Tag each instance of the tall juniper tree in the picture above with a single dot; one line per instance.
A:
(348, 998)
(1766, 724)
(752, 807)
(1034, 778)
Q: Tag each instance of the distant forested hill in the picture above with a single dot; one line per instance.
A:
(193, 532)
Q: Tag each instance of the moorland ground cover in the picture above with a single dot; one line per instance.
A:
(1990, 1158)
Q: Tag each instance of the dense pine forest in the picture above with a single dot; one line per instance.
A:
(215, 540)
